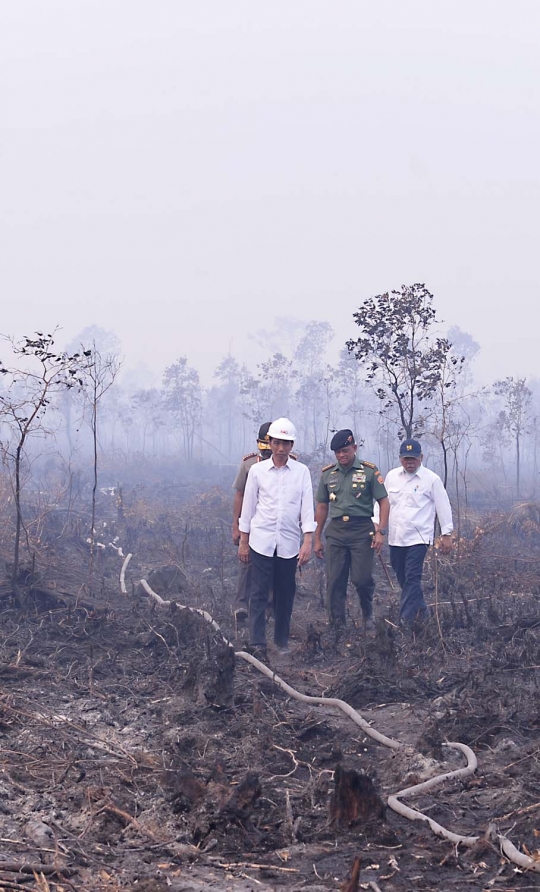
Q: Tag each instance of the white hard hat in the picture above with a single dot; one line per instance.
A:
(282, 429)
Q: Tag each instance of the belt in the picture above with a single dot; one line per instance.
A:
(347, 518)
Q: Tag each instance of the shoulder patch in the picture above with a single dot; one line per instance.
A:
(292, 455)
(327, 467)
(368, 464)
(251, 455)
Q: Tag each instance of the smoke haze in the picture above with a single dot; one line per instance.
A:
(184, 172)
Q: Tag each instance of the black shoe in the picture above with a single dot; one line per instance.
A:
(369, 625)
(413, 627)
(337, 625)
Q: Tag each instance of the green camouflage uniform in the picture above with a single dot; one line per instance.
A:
(349, 534)
(244, 571)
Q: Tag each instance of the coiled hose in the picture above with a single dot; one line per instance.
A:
(526, 862)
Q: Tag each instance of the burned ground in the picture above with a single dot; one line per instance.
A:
(139, 753)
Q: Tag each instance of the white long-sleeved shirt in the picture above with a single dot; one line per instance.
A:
(414, 501)
(277, 507)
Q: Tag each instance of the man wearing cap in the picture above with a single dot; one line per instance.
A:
(277, 509)
(241, 610)
(416, 494)
(347, 491)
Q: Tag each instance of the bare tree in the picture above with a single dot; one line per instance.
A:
(269, 393)
(309, 358)
(441, 416)
(39, 373)
(515, 418)
(226, 395)
(148, 405)
(100, 374)
(183, 397)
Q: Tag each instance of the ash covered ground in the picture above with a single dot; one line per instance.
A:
(137, 752)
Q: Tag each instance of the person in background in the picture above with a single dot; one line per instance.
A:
(416, 495)
(347, 491)
(241, 607)
(277, 509)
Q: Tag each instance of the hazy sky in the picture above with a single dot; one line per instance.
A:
(183, 172)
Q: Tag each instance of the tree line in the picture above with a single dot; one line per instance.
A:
(400, 374)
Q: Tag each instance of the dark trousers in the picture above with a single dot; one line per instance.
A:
(407, 562)
(244, 586)
(268, 572)
(348, 550)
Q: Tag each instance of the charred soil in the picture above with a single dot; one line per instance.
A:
(137, 752)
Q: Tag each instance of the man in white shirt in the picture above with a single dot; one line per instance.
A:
(277, 509)
(241, 611)
(416, 494)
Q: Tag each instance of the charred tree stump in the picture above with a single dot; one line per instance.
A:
(219, 686)
(354, 800)
(241, 801)
(210, 680)
(186, 790)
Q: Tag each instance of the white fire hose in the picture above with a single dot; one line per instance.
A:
(526, 862)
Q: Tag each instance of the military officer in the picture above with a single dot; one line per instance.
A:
(241, 610)
(347, 491)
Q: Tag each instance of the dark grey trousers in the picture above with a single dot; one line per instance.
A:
(244, 586)
(243, 592)
(267, 573)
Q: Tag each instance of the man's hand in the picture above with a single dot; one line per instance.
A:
(378, 541)
(319, 548)
(243, 552)
(305, 552)
(237, 510)
(446, 544)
